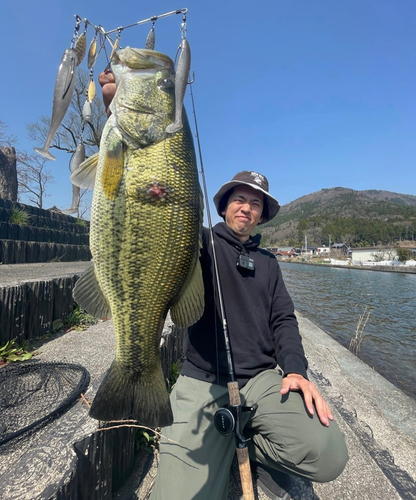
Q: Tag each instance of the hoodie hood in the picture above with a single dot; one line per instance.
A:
(223, 231)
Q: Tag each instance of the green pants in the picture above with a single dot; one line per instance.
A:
(195, 459)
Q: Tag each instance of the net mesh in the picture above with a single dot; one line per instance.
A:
(33, 393)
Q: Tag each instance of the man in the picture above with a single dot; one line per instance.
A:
(269, 362)
(290, 432)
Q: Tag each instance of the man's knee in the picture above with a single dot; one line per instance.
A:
(326, 455)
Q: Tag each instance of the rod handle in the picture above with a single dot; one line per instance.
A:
(245, 473)
(234, 394)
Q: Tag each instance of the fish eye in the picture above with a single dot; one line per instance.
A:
(165, 83)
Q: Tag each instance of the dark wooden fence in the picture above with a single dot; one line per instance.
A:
(28, 310)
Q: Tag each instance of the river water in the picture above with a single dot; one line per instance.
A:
(334, 299)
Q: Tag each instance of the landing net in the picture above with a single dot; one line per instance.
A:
(31, 394)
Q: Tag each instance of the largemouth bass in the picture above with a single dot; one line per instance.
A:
(145, 232)
(62, 95)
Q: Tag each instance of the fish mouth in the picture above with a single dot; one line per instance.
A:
(141, 110)
(142, 59)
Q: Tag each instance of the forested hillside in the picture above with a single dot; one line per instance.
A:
(342, 215)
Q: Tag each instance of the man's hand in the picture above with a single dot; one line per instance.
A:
(295, 382)
(107, 81)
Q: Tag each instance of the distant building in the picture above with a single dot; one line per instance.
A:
(341, 248)
(282, 252)
(286, 255)
(274, 250)
(374, 254)
(308, 251)
(323, 251)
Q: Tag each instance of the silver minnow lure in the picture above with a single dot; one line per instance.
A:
(64, 87)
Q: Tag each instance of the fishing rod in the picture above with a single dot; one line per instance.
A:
(227, 419)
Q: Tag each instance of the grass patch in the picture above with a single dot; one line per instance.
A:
(19, 216)
(174, 374)
(11, 351)
(78, 320)
(355, 342)
(146, 439)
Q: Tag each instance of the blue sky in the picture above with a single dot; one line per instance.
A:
(313, 94)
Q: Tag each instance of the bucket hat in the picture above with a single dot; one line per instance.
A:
(254, 180)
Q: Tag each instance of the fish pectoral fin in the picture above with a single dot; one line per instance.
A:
(190, 305)
(113, 164)
(88, 294)
(84, 175)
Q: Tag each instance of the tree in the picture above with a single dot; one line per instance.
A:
(6, 140)
(378, 256)
(33, 177)
(391, 254)
(403, 254)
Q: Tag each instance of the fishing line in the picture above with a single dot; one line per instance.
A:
(227, 419)
(214, 255)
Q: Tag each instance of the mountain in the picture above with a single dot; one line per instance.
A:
(342, 215)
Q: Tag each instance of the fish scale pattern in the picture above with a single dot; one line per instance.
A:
(145, 243)
(148, 244)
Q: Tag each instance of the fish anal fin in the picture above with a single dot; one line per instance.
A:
(88, 295)
(84, 175)
(190, 305)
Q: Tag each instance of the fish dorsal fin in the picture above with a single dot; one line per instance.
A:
(84, 175)
(87, 293)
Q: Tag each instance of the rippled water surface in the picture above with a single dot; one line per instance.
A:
(335, 298)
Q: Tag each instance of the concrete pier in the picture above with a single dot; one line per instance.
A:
(379, 421)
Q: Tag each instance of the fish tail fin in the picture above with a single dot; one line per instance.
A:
(45, 152)
(124, 394)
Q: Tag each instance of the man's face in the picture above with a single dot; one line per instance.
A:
(244, 210)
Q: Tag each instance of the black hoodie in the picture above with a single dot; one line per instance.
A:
(260, 315)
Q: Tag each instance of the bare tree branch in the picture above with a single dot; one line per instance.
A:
(33, 177)
(5, 139)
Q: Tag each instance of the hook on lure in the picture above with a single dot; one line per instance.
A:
(76, 30)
